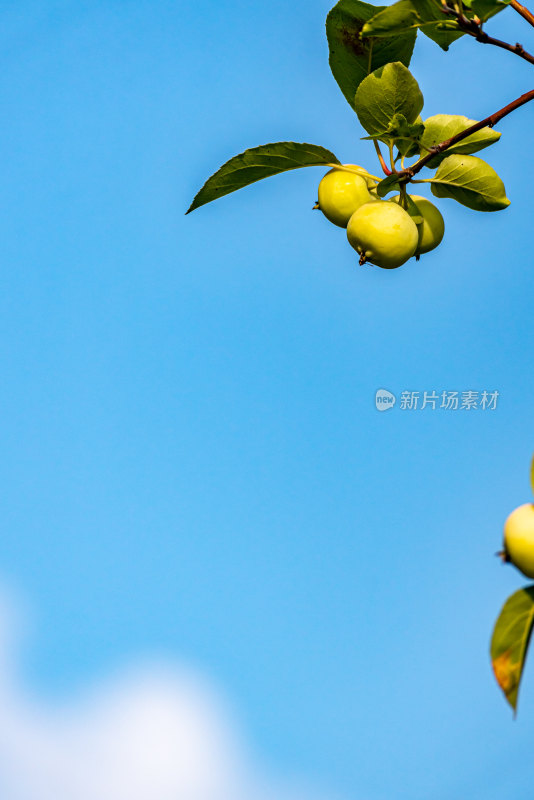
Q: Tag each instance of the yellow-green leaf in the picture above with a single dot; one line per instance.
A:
(470, 181)
(441, 127)
(384, 95)
(510, 641)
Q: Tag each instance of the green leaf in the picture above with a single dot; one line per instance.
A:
(441, 127)
(353, 58)
(409, 15)
(400, 17)
(410, 147)
(509, 644)
(387, 185)
(484, 9)
(405, 134)
(443, 33)
(428, 16)
(400, 128)
(261, 162)
(441, 29)
(385, 93)
(470, 181)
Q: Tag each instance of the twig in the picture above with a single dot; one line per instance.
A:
(517, 48)
(488, 122)
(474, 28)
(525, 13)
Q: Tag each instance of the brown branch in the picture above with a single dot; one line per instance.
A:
(517, 48)
(525, 13)
(489, 122)
(473, 27)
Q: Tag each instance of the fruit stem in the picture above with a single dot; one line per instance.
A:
(385, 169)
(391, 158)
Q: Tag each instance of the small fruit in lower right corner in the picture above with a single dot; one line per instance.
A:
(519, 539)
(383, 233)
(432, 228)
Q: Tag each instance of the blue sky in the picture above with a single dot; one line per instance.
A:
(193, 464)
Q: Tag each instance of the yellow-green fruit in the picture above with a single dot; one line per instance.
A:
(519, 539)
(383, 233)
(432, 228)
(341, 193)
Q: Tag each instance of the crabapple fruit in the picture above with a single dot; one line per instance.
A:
(383, 233)
(342, 192)
(519, 539)
(432, 228)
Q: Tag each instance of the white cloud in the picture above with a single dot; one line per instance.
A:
(153, 733)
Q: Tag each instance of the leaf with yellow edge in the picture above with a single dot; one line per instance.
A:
(509, 644)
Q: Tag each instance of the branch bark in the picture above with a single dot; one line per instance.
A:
(473, 28)
(517, 49)
(488, 122)
(523, 11)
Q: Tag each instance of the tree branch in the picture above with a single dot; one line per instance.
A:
(517, 48)
(488, 122)
(474, 28)
(525, 13)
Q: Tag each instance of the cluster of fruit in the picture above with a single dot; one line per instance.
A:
(383, 232)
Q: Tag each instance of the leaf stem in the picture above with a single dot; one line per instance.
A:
(383, 164)
(362, 172)
(370, 60)
(489, 122)
(523, 11)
